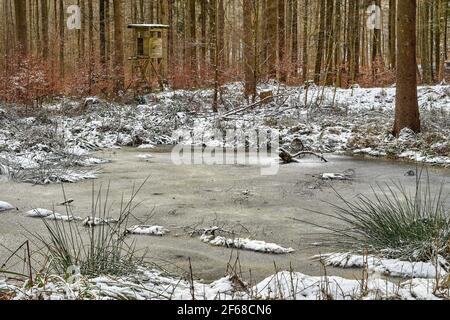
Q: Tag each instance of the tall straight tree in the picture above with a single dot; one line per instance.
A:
(61, 39)
(250, 86)
(271, 14)
(281, 40)
(164, 4)
(392, 33)
(118, 45)
(320, 43)
(102, 31)
(305, 59)
(407, 108)
(192, 40)
(294, 52)
(20, 10)
(44, 28)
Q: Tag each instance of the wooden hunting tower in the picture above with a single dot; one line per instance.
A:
(149, 50)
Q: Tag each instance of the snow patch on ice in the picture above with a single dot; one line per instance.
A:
(94, 222)
(51, 215)
(245, 244)
(148, 230)
(5, 206)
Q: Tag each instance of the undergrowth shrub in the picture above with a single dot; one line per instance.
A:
(393, 222)
(103, 249)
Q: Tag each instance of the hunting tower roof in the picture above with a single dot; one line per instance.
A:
(148, 26)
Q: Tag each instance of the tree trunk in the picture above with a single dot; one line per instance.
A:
(305, 60)
(281, 40)
(294, 52)
(83, 29)
(192, 37)
(102, 30)
(271, 16)
(392, 33)
(250, 86)
(118, 45)
(20, 10)
(407, 108)
(165, 20)
(44, 28)
(320, 43)
(62, 25)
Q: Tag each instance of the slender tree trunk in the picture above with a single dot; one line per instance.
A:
(320, 43)
(165, 20)
(118, 45)
(250, 86)
(305, 60)
(281, 40)
(221, 32)
(44, 28)
(212, 12)
(62, 25)
(192, 37)
(294, 52)
(392, 33)
(83, 29)
(107, 35)
(272, 37)
(203, 16)
(102, 31)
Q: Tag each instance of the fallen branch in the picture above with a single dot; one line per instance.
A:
(287, 157)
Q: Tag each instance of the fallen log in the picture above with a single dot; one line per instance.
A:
(287, 157)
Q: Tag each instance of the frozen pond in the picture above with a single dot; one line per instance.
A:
(235, 197)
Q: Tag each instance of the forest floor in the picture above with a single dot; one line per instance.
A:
(71, 140)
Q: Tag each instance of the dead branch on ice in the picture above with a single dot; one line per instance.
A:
(287, 157)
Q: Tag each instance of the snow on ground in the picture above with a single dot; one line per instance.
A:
(51, 215)
(245, 244)
(144, 156)
(386, 267)
(154, 285)
(148, 230)
(92, 222)
(40, 213)
(5, 206)
(55, 144)
(213, 237)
